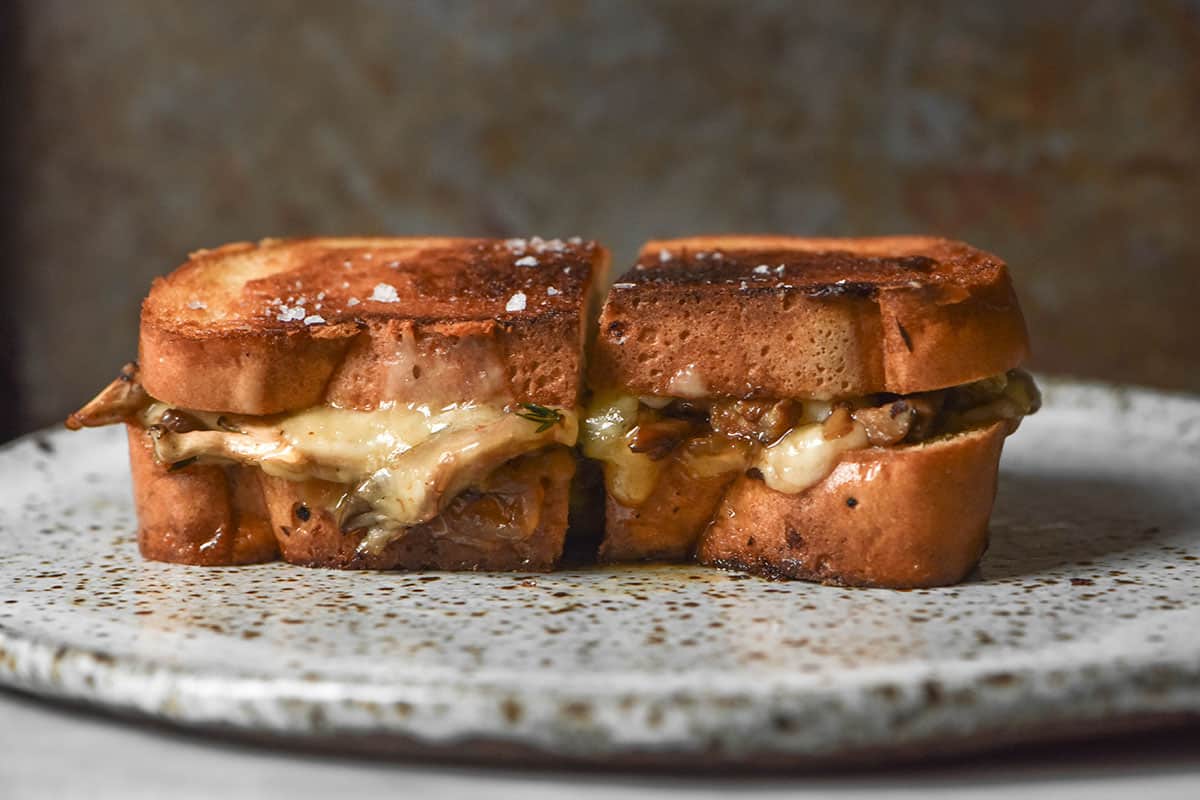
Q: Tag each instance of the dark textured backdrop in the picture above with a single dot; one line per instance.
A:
(1063, 136)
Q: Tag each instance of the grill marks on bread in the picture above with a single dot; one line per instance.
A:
(266, 328)
(817, 273)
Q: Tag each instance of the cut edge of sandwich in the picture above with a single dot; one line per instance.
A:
(764, 399)
(681, 474)
(457, 468)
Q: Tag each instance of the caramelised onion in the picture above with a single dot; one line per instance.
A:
(837, 424)
(714, 454)
(763, 421)
(657, 438)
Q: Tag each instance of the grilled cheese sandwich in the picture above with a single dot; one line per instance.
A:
(375, 403)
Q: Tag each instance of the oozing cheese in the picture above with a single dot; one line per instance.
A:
(803, 457)
(630, 476)
(799, 460)
(402, 460)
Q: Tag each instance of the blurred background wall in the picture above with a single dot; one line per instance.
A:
(1064, 136)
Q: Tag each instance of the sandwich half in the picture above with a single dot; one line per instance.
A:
(822, 409)
(358, 403)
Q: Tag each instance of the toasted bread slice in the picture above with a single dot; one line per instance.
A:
(284, 325)
(891, 517)
(769, 316)
(666, 526)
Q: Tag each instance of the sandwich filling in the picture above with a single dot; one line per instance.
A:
(790, 444)
(401, 464)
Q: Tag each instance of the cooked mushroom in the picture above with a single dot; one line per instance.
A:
(121, 400)
(275, 455)
(177, 421)
(927, 415)
(415, 487)
(887, 424)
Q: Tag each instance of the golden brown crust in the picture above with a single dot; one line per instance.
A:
(667, 524)
(223, 332)
(203, 515)
(248, 373)
(791, 317)
(888, 517)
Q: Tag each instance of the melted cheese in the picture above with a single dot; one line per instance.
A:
(800, 459)
(688, 382)
(803, 457)
(630, 476)
(404, 461)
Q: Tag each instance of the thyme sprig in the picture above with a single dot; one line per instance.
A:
(546, 418)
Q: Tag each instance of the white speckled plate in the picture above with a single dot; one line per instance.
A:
(1085, 616)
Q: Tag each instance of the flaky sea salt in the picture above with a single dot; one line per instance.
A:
(761, 269)
(526, 261)
(353, 301)
(664, 256)
(385, 293)
(197, 305)
(624, 285)
(287, 314)
(550, 290)
(314, 319)
(539, 245)
(516, 302)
